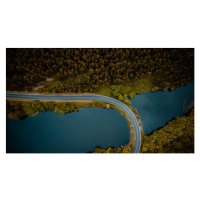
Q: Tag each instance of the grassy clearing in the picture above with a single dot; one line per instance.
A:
(138, 86)
(104, 90)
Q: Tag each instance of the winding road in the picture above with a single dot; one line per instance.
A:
(101, 98)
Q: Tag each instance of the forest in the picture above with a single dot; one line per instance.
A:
(176, 137)
(117, 72)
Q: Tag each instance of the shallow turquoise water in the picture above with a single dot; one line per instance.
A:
(157, 108)
(81, 132)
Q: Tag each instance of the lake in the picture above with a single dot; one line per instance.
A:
(81, 132)
(157, 108)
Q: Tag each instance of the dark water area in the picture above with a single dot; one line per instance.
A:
(157, 108)
(81, 132)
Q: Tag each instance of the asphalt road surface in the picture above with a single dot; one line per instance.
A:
(101, 98)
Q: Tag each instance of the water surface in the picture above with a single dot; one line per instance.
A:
(157, 108)
(81, 132)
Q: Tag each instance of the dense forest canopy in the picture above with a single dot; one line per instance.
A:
(176, 137)
(87, 69)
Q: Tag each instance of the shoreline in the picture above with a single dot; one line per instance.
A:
(189, 107)
(35, 114)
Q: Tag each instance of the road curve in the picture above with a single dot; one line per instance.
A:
(101, 98)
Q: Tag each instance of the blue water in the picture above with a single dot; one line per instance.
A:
(81, 132)
(157, 108)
